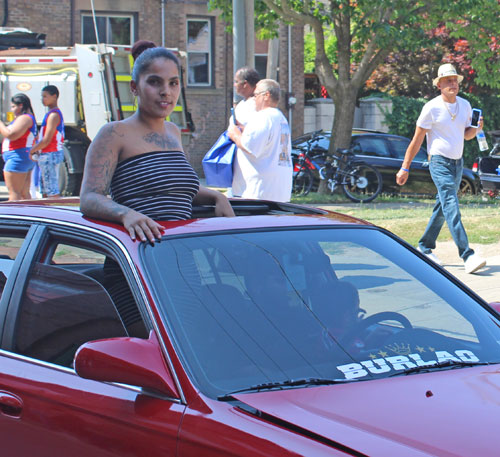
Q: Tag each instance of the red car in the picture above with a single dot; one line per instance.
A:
(285, 331)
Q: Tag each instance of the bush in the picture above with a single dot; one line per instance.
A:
(405, 112)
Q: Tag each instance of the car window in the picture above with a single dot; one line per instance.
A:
(322, 144)
(370, 146)
(400, 145)
(65, 254)
(9, 248)
(251, 308)
(318, 146)
(74, 294)
(422, 155)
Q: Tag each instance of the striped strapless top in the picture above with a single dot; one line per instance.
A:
(159, 184)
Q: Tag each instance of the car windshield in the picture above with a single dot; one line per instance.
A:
(319, 145)
(259, 307)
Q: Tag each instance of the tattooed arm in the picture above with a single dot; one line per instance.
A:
(100, 164)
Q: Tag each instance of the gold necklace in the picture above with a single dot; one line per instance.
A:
(453, 116)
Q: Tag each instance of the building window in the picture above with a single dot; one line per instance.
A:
(261, 64)
(199, 52)
(112, 29)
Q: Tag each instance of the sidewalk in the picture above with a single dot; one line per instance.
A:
(486, 283)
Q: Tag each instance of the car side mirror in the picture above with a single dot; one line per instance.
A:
(133, 361)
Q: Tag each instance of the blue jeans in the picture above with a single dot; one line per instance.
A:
(446, 174)
(49, 172)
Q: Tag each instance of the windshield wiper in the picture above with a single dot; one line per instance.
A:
(439, 365)
(286, 384)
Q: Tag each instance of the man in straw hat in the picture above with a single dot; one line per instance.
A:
(445, 121)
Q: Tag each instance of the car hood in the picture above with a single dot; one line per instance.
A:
(448, 413)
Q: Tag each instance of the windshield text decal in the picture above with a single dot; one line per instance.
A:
(401, 362)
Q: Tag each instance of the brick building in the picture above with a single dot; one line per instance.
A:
(186, 25)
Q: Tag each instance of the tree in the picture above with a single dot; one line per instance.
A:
(366, 32)
(410, 74)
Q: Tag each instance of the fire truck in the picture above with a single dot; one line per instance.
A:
(93, 83)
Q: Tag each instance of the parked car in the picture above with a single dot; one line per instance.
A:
(386, 152)
(488, 167)
(284, 331)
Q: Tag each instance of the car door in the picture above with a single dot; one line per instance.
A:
(65, 287)
(386, 152)
(420, 180)
(373, 149)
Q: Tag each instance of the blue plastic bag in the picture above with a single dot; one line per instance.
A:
(218, 162)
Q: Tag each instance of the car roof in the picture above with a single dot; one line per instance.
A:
(380, 134)
(251, 214)
(355, 132)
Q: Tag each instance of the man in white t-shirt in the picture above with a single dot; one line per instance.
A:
(245, 80)
(263, 165)
(445, 121)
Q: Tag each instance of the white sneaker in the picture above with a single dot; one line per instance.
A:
(431, 256)
(474, 263)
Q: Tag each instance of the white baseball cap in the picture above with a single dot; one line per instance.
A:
(445, 70)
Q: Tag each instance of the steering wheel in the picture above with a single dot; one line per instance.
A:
(363, 324)
(383, 316)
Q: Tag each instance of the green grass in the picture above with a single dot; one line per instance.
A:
(407, 217)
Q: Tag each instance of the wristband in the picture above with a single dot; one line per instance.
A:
(405, 169)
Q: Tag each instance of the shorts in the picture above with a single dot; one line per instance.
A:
(49, 172)
(18, 161)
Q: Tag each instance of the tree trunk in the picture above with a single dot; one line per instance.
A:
(323, 188)
(345, 105)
